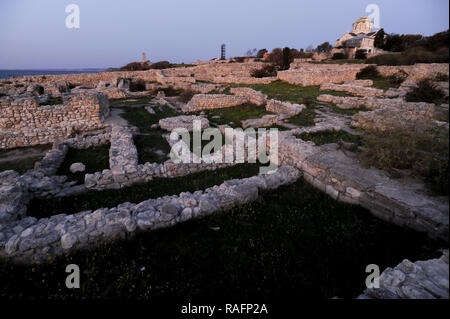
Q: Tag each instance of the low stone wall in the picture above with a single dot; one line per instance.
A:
(218, 101)
(382, 119)
(29, 239)
(284, 108)
(123, 156)
(265, 121)
(23, 122)
(352, 89)
(254, 96)
(309, 74)
(365, 83)
(330, 170)
(416, 72)
(183, 121)
(413, 280)
(242, 80)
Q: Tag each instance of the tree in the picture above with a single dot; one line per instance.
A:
(379, 39)
(310, 48)
(276, 57)
(324, 47)
(361, 54)
(286, 58)
(261, 53)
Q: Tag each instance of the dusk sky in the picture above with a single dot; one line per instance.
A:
(33, 33)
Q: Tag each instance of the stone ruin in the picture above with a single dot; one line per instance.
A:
(25, 120)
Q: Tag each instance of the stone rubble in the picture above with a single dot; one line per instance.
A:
(30, 239)
(419, 280)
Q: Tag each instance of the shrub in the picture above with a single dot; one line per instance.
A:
(441, 77)
(265, 71)
(369, 72)
(418, 147)
(137, 85)
(239, 59)
(135, 66)
(261, 53)
(160, 65)
(412, 56)
(361, 54)
(425, 91)
(186, 96)
(338, 56)
(398, 78)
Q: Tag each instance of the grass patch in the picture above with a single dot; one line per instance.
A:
(351, 112)
(131, 101)
(330, 136)
(304, 118)
(296, 243)
(236, 114)
(137, 193)
(95, 159)
(139, 117)
(152, 147)
(21, 159)
(423, 149)
(287, 92)
(53, 101)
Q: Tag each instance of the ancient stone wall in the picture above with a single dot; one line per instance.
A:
(308, 74)
(417, 71)
(352, 89)
(23, 122)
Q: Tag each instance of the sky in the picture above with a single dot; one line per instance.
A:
(33, 33)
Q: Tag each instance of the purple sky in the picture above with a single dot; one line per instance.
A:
(112, 33)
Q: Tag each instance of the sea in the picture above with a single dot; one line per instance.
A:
(10, 73)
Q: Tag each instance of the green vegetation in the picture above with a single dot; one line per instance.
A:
(380, 82)
(129, 102)
(95, 159)
(152, 147)
(304, 118)
(53, 101)
(330, 136)
(137, 193)
(139, 117)
(423, 149)
(265, 71)
(426, 91)
(295, 243)
(236, 114)
(23, 158)
(284, 91)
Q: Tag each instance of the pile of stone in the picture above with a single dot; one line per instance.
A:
(352, 89)
(123, 156)
(419, 280)
(284, 108)
(183, 122)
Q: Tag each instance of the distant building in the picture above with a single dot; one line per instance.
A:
(362, 37)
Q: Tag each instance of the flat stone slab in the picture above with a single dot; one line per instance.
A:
(184, 122)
